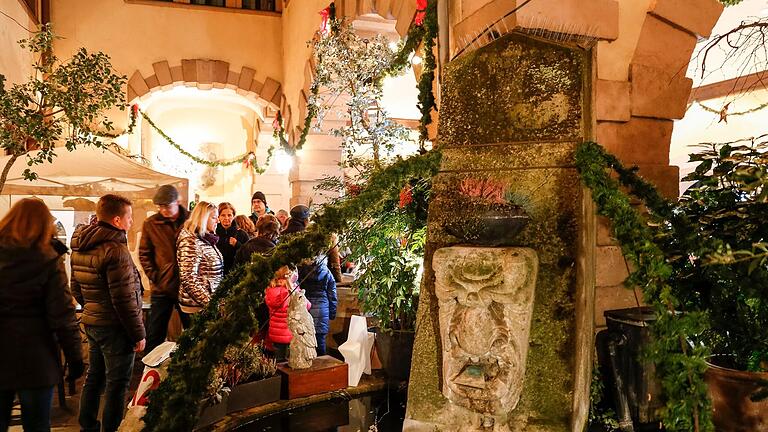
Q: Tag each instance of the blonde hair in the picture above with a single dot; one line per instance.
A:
(198, 220)
(28, 224)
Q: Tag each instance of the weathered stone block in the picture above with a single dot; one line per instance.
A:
(595, 18)
(664, 46)
(138, 85)
(638, 141)
(696, 16)
(189, 70)
(605, 232)
(611, 268)
(220, 71)
(270, 89)
(246, 77)
(152, 82)
(176, 74)
(614, 297)
(612, 100)
(405, 17)
(163, 72)
(658, 93)
(666, 178)
(204, 70)
(550, 111)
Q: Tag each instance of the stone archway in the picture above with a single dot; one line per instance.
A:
(207, 74)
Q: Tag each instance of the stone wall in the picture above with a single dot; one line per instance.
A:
(513, 112)
(641, 55)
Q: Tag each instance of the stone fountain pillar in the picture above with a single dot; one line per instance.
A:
(504, 336)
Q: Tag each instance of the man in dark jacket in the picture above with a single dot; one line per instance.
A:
(107, 284)
(157, 254)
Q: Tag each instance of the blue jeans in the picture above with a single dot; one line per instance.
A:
(35, 408)
(320, 343)
(161, 309)
(110, 364)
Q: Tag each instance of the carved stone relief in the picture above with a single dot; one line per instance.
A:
(485, 306)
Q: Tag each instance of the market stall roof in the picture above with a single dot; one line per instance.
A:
(89, 172)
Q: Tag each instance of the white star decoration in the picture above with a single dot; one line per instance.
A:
(357, 349)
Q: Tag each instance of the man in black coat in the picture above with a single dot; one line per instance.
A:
(107, 284)
(157, 254)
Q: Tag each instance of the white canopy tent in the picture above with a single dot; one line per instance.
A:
(89, 172)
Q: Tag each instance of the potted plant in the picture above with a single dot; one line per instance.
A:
(244, 378)
(717, 244)
(389, 251)
(493, 219)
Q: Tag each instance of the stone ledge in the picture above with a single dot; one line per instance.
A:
(696, 16)
(610, 266)
(658, 93)
(638, 141)
(612, 100)
(663, 46)
(614, 297)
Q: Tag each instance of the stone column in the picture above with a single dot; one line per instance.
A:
(513, 112)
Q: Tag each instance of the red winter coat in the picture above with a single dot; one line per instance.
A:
(277, 298)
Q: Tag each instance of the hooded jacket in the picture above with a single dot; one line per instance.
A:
(157, 253)
(37, 316)
(201, 267)
(105, 280)
(320, 290)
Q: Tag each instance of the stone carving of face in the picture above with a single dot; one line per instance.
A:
(485, 307)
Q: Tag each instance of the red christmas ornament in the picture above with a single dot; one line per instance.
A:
(134, 109)
(406, 196)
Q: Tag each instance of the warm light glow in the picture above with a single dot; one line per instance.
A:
(283, 161)
(393, 46)
(416, 60)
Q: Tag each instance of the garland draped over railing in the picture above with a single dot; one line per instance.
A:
(230, 316)
(679, 363)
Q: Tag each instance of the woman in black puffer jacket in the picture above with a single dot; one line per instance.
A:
(37, 315)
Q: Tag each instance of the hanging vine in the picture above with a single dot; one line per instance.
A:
(680, 365)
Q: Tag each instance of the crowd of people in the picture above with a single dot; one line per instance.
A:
(184, 254)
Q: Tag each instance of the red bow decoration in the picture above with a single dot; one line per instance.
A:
(248, 161)
(134, 109)
(421, 12)
(326, 14)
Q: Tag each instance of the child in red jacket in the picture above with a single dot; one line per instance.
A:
(277, 296)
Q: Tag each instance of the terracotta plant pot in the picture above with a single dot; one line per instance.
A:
(730, 390)
(494, 225)
(255, 393)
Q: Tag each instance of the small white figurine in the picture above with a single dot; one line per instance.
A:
(302, 349)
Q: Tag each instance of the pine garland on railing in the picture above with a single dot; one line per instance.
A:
(679, 364)
(230, 316)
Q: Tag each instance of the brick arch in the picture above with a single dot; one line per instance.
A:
(205, 75)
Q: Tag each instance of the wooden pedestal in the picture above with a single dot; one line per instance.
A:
(326, 374)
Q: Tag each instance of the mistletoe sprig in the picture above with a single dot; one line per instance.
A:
(680, 365)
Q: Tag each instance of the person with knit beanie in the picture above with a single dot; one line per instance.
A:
(259, 206)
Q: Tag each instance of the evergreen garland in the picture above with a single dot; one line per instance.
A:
(680, 365)
(426, 96)
(249, 156)
(230, 317)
